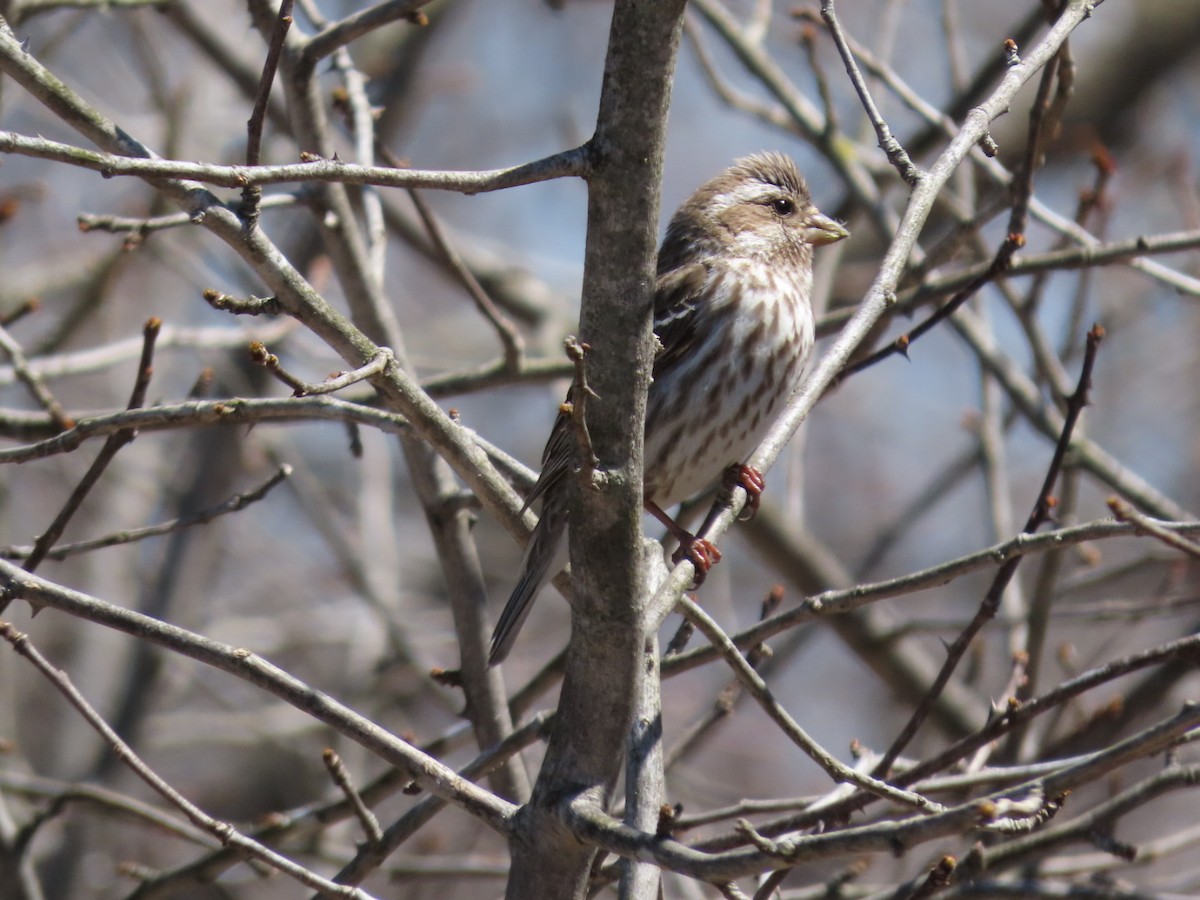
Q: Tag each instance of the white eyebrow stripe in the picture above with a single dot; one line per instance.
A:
(746, 192)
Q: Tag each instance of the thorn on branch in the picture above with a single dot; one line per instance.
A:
(354, 433)
(680, 639)
(762, 651)
(999, 264)
(1104, 161)
(451, 678)
(9, 207)
(772, 602)
(991, 601)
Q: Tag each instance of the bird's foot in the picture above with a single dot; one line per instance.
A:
(702, 553)
(751, 481)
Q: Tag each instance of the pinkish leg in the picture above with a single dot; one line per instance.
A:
(702, 553)
(751, 481)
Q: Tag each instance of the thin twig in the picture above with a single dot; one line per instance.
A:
(574, 163)
(1079, 257)
(496, 374)
(774, 115)
(1126, 513)
(306, 820)
(1086, 454)
(59, 794)
(32, 381)
(510, 338)
(33, 7)
(808, 39)
(991, 601)
(727, 698)
(834, 602)
(1022, 183)
(341, 777)
(233, 411)
(248, 666)
(836, 770)
(142, 227)
(359, 24)
(223, 831)
(371, 857)
(1015, 715)
(887, 141)
(112, 445)
(999, 264)
(104, 356)
(360, 117)
(252, 194)
(261, 356)
(236, 503)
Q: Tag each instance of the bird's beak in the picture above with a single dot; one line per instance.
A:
(823, 230)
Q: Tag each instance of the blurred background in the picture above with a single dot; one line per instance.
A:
(333, 577)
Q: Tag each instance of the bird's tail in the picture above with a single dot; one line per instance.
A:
(544, 557)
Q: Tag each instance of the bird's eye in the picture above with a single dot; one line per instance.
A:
(783, 206)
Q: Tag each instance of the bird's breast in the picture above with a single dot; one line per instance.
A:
(716, 404)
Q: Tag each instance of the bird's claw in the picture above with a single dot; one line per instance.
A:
(703, 555)
(752, 482)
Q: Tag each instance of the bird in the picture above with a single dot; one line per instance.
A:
(734, 326)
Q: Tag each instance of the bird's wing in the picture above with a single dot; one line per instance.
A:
(557, 458)
(677, 296)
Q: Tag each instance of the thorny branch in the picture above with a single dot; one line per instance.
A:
(301, 276)
(991, 601)
(223, 831)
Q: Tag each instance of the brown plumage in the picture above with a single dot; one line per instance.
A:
(732, 311)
